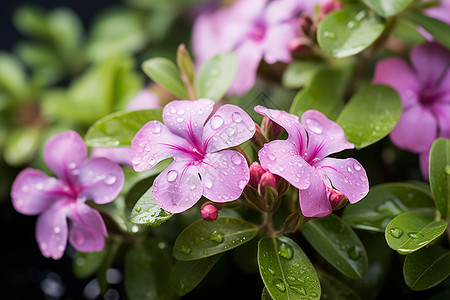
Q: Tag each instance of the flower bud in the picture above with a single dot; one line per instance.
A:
(256, 171)
(337, 199)
(307, 25)
(328, 7)
(258, 140)
(267, 180)
(209, 212)
(271, 129)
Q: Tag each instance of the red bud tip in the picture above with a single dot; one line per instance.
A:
(336, 197)
(256, 171)
(268, 179)
(209, 212)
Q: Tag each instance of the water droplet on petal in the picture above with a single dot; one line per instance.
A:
(362, 178)
(236, 117)
(314, 125)
(180, 119)
(180, 112)
(200, 112)
(208, 183)
(216, 122)
(300, 165)
(279, 284)
(110, 179)
(156, 128)
(281, 168)
(216, 237)
(57, 229)
(39, 186)
(72, 165)
(271, 157)
(236, 159)
(230, 131)
(349, 170)
(171, 175)
(173, 110)
(357, 167)
(396, 232)
(242, 183)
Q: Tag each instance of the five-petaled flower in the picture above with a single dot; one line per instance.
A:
(425, 92)
(302, 160)
(56, 199)
(201, 165)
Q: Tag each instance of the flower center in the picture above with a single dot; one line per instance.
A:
(258, 31)
(428, 96)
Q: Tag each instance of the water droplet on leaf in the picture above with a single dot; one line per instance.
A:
(396, 232)
(279, 284)
(354, 252)
(286, 251)
(447, 169)
(329, 34)
(415, 235)
(185, 250)
(216, 236)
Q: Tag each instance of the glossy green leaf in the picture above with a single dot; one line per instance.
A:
(186, 275)
(21, 145)
(387, 8)
(335, 241)
(266, 295)
(411, 231)
(370, 115)
(324, 93)
(439, 167)
(216, 75)
(299, 73)
(118, 129)
(147, 212)
(348, 31)
(438, 29)
(147, 272)
(426, 268)
(185, 64)
(334, 289)
(384, 202)
(165, 73)
(85, 264)
(286, 270)
(207, 238)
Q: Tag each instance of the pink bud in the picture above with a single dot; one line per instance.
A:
(271, 129)
(267, 179)
(256, 171)
(336, 198)
(209, 212)
(328, 7)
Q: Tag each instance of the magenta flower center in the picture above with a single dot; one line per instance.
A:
(429, 95)
(258, 31)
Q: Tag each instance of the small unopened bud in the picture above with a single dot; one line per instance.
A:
(337, 199)
(307, 25)
(271, 129)
(258, 140)
(209, 212)
(267, 180)
(300, 45)
(328, 7)
(256, 171)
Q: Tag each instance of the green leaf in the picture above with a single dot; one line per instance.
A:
(370, 115)
(348, 31)
(66, 28)
(300, 72)
(338, 244)
(207, 238)
(324, 93)
(411, 231)
(186, 275)
(12, 74)
(286, 270)
(147, 272)
(426, 268)
(21, 145)
(185, 63)
(85, 264)
(384, 202)
(216, 75)
(165, 73)
(440, 175)
(438, 29)
(333, 288)
(28, 19)
(147, 212)
(387, 8)
(118, 129)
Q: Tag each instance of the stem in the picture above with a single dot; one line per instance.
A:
(267, 223)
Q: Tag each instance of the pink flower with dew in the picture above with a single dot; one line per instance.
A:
(424, 87)
(201, 165)
(302, 160)
(440, 12)
(255, 30)
(62, 198)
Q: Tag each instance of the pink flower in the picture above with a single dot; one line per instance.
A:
(201, 166)
(209, 212)
(441, 12)
(56, 199)
(254, 29)
(302, 160)
(424, 89)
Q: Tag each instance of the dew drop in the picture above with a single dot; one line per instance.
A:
(300, 165)
(354, 252)
(57, 229)
(361, 15)
(216, 236)
(156, 128)
(271, 271)
(351, 24)
(216, 122)
(349, 170)
(180, 112)
(110, 179)
(180, 119)
(329, 34)
(281, 168)
(286, 251)
(39, 186)
(236, 159)
(362, 178)
(314, 125)
(396, 232)
(415, 235)
(214, 72)
(200, 112)
(208, 183)
(173, 110)
(230, 131)
(279, 284)
(299, 290)
(185, 250)
(242, 183)
(171, 175)
(236, 117)
(72, 165)
(357, 167)
(271, 157)
(137, 208)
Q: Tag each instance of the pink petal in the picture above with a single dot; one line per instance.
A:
(295, 130)
(247, 9)
(120, 155)
(249, 54)
(347, 176)
(100, 180)
(324, 136)
(314, 202)
(397, 74)
(281, 158)
(153, 143)
(51, 230)
(145, 99)
(224, 175)
(416, 130)
(229, 126)
(186, 118)
(88, 229)
(64, 153)
(424, 160)
(431, 63)
(33, 191)
(277, 41)
(442, 112)
(281, 10)
(178, 187)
